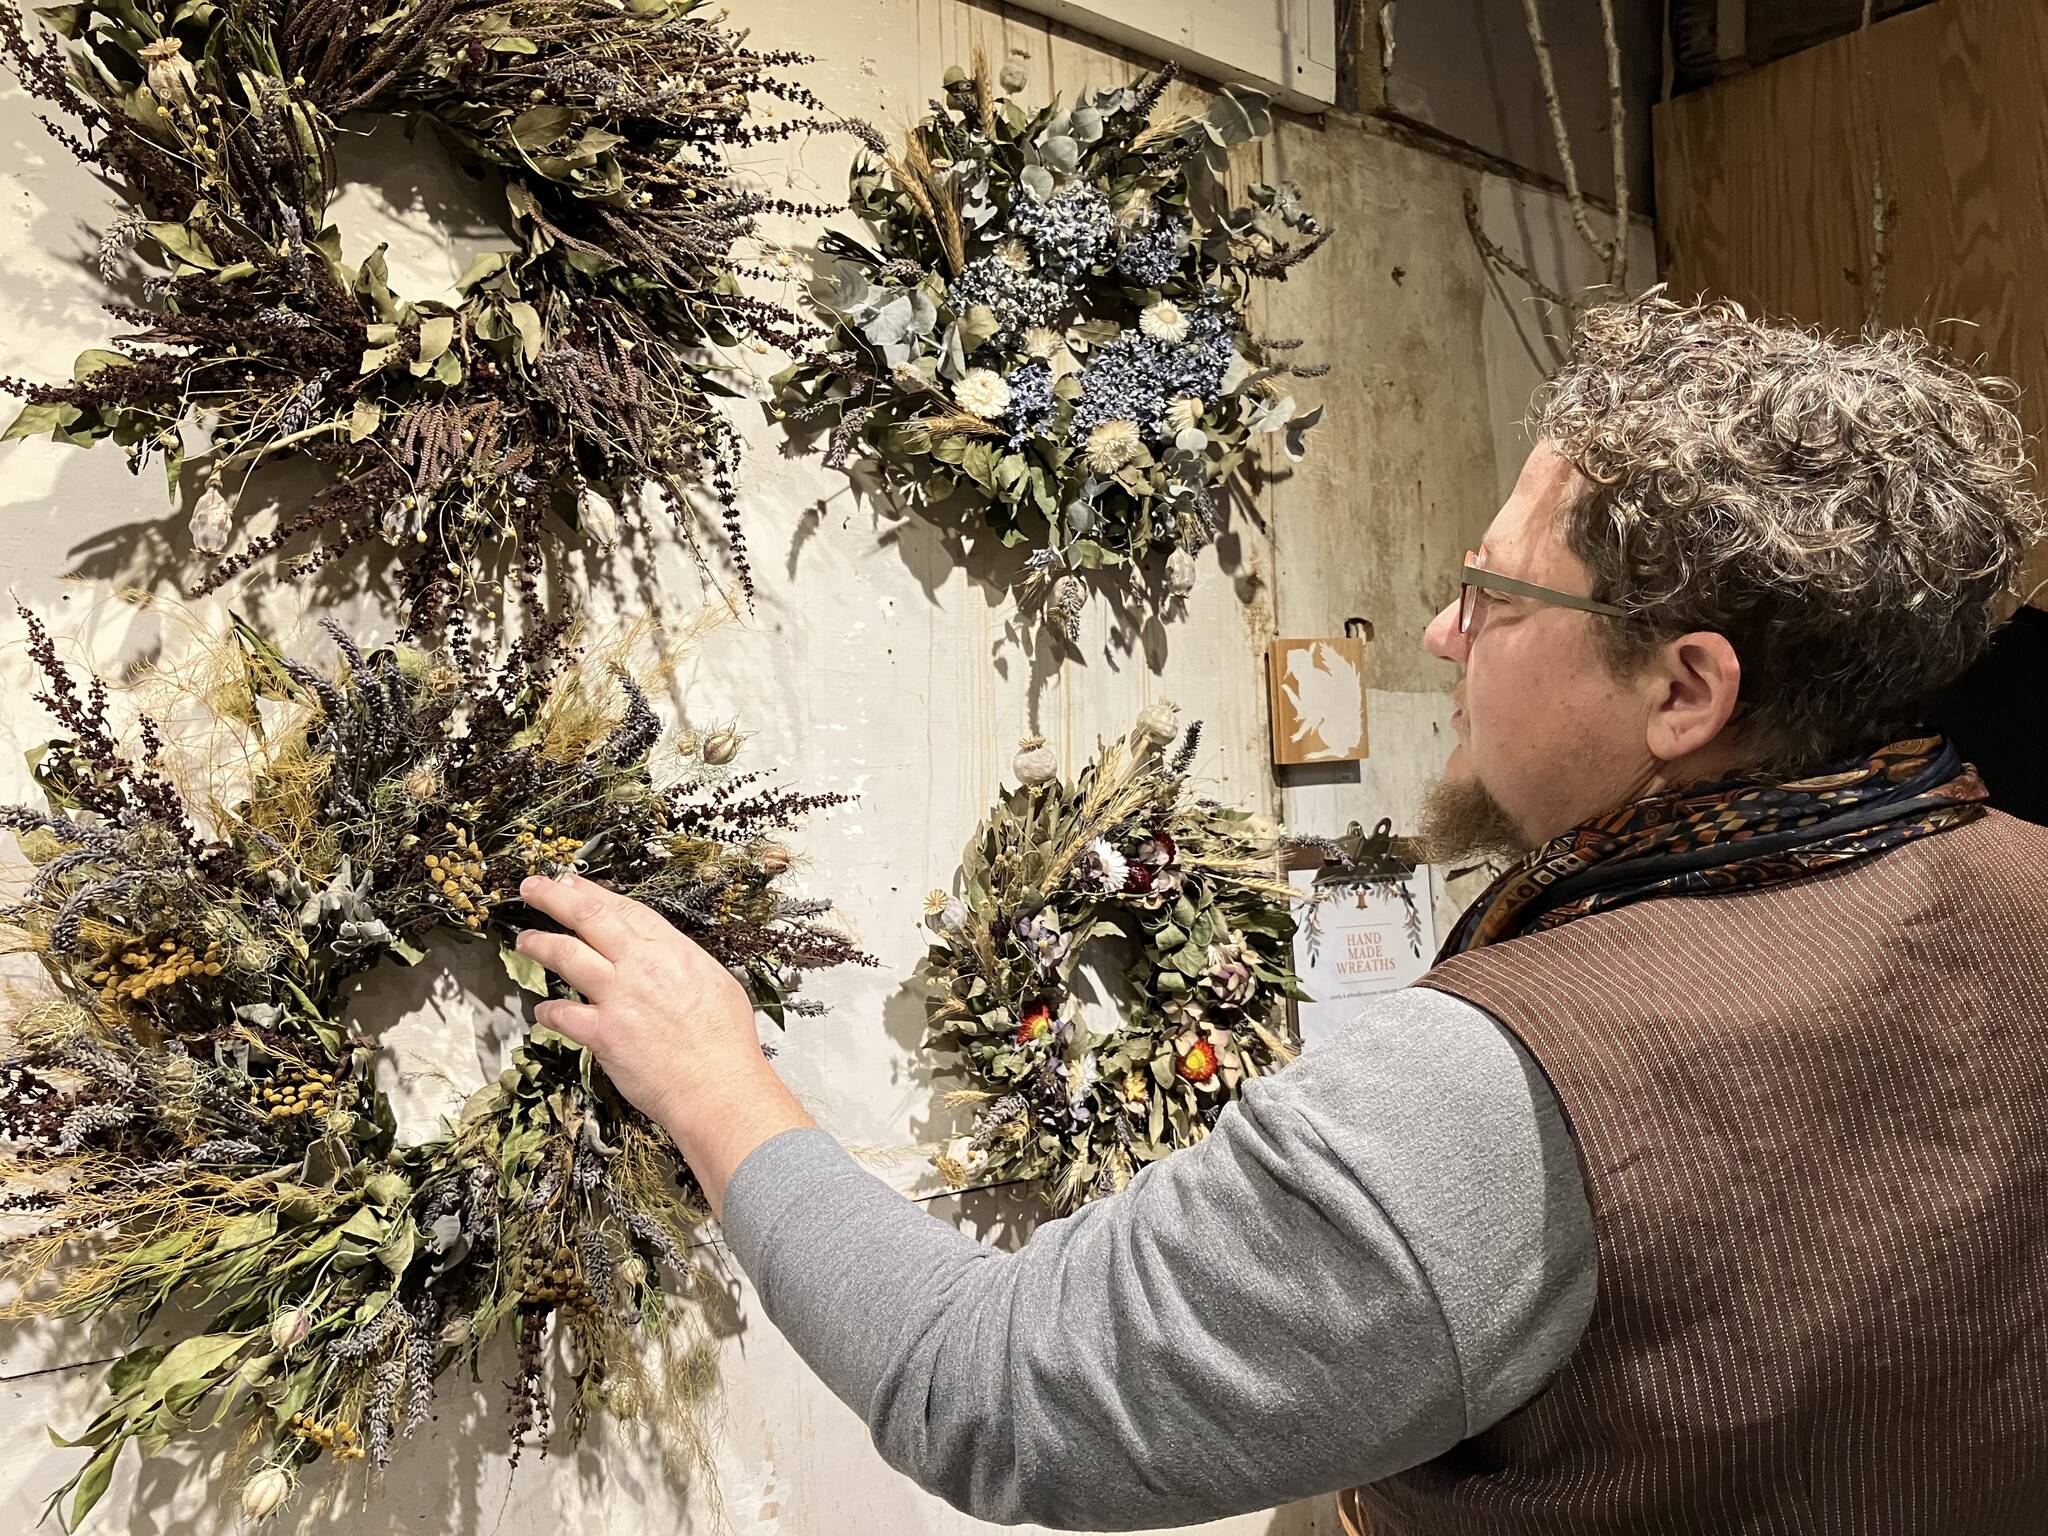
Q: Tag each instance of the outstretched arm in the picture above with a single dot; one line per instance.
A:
(1376, 1253)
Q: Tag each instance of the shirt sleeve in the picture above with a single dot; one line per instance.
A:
(1376, 1253)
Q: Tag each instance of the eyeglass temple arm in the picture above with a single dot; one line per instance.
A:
(1478, 576)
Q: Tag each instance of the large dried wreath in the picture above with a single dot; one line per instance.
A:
(1186, 891)
(1051, 329)
(189, 1122)
(572, 376)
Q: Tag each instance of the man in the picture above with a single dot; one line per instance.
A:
(1702, 1187)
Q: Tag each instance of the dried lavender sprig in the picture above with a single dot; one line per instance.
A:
(370, 1337)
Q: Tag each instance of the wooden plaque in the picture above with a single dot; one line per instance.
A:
(1318, 693)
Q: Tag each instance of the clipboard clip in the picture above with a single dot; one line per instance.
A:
(1360, 857)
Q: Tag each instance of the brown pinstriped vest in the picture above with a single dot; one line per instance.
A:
(1813, 1123)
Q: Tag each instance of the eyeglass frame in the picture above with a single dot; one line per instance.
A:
(1479, 577)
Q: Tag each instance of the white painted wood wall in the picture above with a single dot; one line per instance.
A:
(881, 658)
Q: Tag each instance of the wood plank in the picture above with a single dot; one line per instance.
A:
(1767, 187)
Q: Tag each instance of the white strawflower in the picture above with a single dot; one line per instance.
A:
(1114, 447)
(1104, 867)
(983, 392)
(1041, 341)
(1015, 254)
(1184, 412)
(1165, 321)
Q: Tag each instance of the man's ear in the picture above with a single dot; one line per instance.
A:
(1694, 682)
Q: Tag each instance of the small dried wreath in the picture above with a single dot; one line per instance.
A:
(1188, 892)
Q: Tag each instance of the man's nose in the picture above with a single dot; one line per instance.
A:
(1442, 639)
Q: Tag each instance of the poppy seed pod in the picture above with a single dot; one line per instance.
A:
(1035, 762)
(169, 73)
(1159, 723)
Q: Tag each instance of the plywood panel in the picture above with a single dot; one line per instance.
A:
(1767, 184)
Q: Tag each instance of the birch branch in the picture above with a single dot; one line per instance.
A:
(1574, 195)
(1617, 123)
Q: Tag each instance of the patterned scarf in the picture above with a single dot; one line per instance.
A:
(1729, 836)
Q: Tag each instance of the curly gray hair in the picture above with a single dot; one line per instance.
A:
(1848, 513)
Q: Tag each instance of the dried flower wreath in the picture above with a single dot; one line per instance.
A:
(1189, 887)
(189, 1121)
(571, 375)
(1052, 323)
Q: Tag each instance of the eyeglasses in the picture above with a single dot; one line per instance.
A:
(1478, 581)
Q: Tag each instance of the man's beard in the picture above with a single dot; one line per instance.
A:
(1460, 820)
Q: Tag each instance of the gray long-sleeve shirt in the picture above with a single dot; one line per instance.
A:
(1376, 1253)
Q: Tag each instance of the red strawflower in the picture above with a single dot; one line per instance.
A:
(1199, 1065)
(1036, 1023)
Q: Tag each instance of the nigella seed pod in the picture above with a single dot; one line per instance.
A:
(1013, 78)
(264, 1492)
(600, 519)
(773, 859)
(211, 518)
(289, 1328)
(721, 747)
(1180, 573)
(1035, 762)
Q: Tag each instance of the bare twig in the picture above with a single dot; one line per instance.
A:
(1611, 252)
(1493, 254)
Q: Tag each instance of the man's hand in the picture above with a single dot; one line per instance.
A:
(670, 1026)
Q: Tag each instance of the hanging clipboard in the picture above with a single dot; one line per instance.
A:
(1369, 925)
